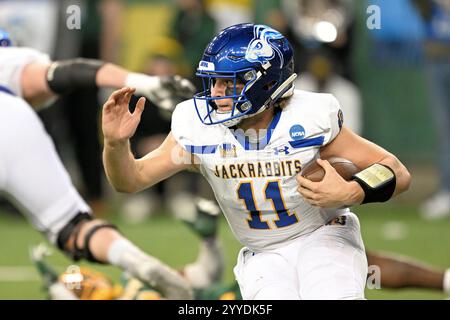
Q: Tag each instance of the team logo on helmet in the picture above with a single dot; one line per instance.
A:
(260, 49)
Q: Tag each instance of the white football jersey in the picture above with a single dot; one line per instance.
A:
(255, 184)
(12, 62)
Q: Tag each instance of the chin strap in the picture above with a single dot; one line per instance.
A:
(285, 90)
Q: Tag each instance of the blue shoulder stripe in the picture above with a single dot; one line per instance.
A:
(201, 149)
(6, 90)
(307, 142)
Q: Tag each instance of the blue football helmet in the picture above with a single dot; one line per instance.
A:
(5, 40)
(257, 56)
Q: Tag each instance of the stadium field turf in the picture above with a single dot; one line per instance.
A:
(394, 228)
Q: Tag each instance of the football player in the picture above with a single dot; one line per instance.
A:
(249, 133)
(203, 275)
(31, 75)
(33, 177)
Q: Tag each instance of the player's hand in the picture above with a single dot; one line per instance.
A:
(164, 91)
(173, 90)
(332, 192)
(118, 123)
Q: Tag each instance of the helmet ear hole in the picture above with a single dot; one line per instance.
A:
(270, 85)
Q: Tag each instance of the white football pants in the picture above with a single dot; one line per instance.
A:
(329, 263)
(31, 173)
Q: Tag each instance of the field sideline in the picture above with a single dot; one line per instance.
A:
(396, 228)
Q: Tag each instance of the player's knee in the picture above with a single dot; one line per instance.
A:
(76, 237)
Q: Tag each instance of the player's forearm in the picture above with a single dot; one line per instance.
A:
(364, 189)
(120, 166)
(402, 175)
(354, 194)
(41, 81)
(111, 75)
(34, 84)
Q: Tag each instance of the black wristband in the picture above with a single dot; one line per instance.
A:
(378, 182)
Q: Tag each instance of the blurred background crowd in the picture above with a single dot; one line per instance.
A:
(387, 62)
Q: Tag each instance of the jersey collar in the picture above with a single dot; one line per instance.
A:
(260, 145)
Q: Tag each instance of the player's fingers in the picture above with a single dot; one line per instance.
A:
(308, 184)
(109, 105)
(314, 203)
(140, 105)
(124, 99)
(118, 93)
(324, 164)
(306, 193)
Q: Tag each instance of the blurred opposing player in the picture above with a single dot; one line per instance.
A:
(31, 75)
(33, 177)
(250, 133)
(204, 274)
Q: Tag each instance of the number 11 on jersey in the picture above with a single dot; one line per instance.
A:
(272, 192)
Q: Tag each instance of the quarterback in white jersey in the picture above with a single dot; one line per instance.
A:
(254, 184)
(250, 134)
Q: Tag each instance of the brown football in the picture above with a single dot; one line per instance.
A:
(344, 167)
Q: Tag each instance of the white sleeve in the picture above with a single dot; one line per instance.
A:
(12, 62)
(335, 119)
(182, 125)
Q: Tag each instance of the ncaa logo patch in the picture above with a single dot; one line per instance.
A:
(297, 132)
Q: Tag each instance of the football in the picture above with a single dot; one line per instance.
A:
(344, 167)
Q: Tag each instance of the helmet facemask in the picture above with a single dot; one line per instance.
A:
(206, 105)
